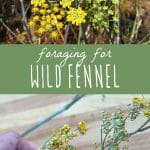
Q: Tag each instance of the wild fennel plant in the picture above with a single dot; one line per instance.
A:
(60, 138)
(113, 128)
(53, 20)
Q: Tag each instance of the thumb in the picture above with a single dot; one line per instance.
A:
(9, 141)
(24, 145)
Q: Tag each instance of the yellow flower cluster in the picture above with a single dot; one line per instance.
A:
(46, 18)
(65, 129)
(66, 3)
(82, 127)
(76, 16)
(37, 3)
(60, 138)
(147, 113)
(140, 101)
(49, 19)
(144, 105)
(60, 141)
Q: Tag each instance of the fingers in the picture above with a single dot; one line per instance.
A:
(13, 141)
(9, 141)
(24, 145)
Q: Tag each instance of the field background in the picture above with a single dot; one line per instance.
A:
(133, 24)
(18, 112)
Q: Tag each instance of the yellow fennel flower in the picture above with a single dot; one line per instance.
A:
(56, 9)
(53, 22)
(82, 127)
(43, 23)
(65, 129)
(137, 100)
(147, 113)
(62, 13)
(140, 101)
(41, 30)
(36, 18)
(59, 17)
(36, 3)
(60, 25)
(66, 3)
(42, 11)
(45, 5)
(35, 9)
(48, 11)
(54, 34)
(48, 17)
(31, 24)
(76, 16)
(47, 27)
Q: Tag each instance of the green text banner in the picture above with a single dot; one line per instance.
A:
(75, 69)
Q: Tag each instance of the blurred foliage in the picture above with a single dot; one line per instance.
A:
(104, 21)
(10, 19)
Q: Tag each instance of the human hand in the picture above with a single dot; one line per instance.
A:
(13, 141)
